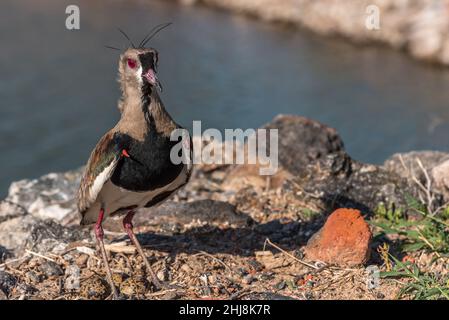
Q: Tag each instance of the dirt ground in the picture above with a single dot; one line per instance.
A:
(217, 246)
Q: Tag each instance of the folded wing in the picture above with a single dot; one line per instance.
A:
(100, 167)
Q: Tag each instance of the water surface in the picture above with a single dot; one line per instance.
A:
(58, 87)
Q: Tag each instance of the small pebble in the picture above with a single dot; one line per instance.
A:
(255, 265)
(72, 281)
(81, 260)
(161, 275)
(50, 268)
(4, 254)
(24, 289)
(185, 267)
(248, 279)
(68, 257)
(33, 276)
(7, 282)
(212, 279)
(280, 285)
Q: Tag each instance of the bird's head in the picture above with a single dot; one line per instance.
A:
(138, 68)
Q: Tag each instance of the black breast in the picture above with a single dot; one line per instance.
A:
(149, 166)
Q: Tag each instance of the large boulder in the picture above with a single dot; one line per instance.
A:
(301, 141)
(426, 170)
(339, 181)
(407, 164)
(40, 214)
(312, 160)
(51, 196)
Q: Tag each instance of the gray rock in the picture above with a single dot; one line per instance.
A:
(9, 210)
(321, 172)
(15, 233)
(440, 179)
(213, 212)
(50, 268)
(269, 227)
(248, 279)
(302, 141)
(50, 196)
(25, 289)
(33, 276)
(28, 232)
(4, 254)
(435, 165)
(72, 281)
(406, 164)
(25, 213)
(338, 181)
(48, 235)
(7, 282)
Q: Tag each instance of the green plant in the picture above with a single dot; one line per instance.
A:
(308, 214)
(429, 232)
(420, 285)
(388, 213)
(426, 232)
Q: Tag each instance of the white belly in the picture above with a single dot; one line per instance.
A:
(112, 198)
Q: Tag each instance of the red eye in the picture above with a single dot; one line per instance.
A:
(132, 63)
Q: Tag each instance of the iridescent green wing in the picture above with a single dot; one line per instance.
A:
(100, 167)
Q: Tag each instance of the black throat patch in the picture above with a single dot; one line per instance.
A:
(147, 62)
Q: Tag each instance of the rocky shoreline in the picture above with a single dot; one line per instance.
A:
(226, 212)
(419, 27)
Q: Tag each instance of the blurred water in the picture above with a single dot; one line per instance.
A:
(58, 88)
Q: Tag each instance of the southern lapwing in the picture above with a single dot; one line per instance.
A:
(131, 166)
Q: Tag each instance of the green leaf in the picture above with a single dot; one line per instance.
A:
(411, 247)
(387, 274)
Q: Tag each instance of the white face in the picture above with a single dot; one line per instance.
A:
(133, 66)
(139, 75)
(136, 66)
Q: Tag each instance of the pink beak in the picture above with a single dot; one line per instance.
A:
(151, 77)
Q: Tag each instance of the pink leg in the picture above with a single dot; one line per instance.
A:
(127, 224)
(99, 235)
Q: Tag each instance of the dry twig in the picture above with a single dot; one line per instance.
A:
(289, 255)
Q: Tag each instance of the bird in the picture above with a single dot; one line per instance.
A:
(131, 167)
